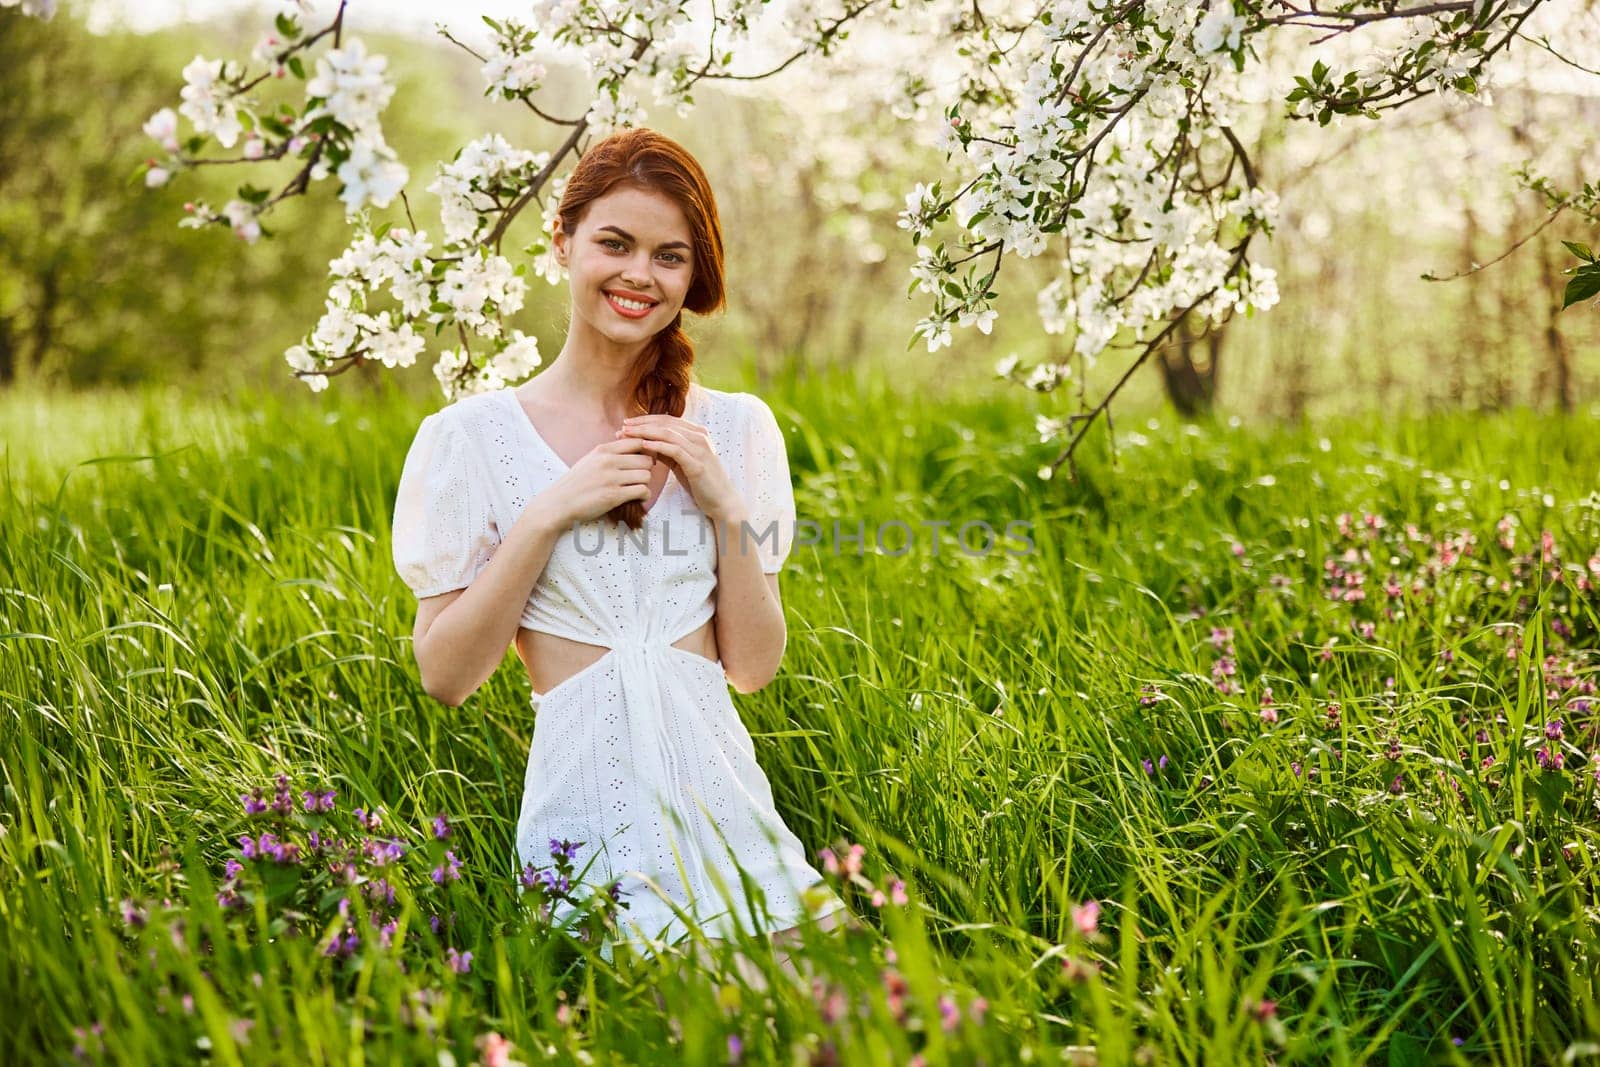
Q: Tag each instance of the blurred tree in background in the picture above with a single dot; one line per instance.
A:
(98, 285)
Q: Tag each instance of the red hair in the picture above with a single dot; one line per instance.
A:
(641, 158)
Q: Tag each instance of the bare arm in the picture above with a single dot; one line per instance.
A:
(461, 636)
(751, 632)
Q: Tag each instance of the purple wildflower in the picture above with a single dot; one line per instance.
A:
(441, 827)
(949, 1014)
(460, 962)
(382, 852)
(283, 802)
(131, 915)
(449, 870)
(345, 946)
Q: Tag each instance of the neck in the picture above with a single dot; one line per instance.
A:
(593, 372)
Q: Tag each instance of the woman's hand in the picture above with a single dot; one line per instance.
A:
(685, 447)
(607, 475)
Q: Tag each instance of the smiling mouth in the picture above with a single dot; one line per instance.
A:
(628, 307)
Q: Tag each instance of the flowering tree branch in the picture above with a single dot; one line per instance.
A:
(1105, 133)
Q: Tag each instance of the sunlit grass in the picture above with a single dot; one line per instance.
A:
(1318, 829)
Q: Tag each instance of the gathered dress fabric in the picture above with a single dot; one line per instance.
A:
(641, 755)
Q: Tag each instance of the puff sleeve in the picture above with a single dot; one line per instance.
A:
(443, 532)
(768, 488)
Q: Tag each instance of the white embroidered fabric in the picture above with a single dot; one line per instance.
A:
(641, 755)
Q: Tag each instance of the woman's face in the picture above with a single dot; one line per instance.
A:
(631, 248)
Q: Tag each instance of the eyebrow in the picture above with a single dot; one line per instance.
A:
(619, 231)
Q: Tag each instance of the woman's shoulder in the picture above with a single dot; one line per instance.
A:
(725, 409)
(470, 413)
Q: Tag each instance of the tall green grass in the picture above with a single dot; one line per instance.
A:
(195, 598)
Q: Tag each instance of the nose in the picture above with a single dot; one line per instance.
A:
(637, 275)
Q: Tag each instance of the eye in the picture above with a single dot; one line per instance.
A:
(608, 241)
(675, 257)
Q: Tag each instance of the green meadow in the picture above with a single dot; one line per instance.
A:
(1273, 744)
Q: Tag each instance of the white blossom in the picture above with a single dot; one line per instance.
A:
(396, 347)
(370, 175)
(242, 217)
(163, 127)
(351, 85)
(607, 114)
(513, 72)
(206, 102)
(1220, 30)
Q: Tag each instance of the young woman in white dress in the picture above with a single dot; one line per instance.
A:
(623, 527)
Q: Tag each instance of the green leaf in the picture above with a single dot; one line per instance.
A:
(1585, 283)
(492, 24)
(279, 880)
(287, 26)
(297, 68)
(1319, 71)
(1550, 789)
(1406, 1051)
(1580, 250)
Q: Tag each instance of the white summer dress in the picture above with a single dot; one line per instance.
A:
(641, 754)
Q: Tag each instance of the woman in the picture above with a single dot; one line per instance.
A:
(623, 526)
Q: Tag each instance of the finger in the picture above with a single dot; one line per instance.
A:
(668, 451)
(657, 417)
(661, 432)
